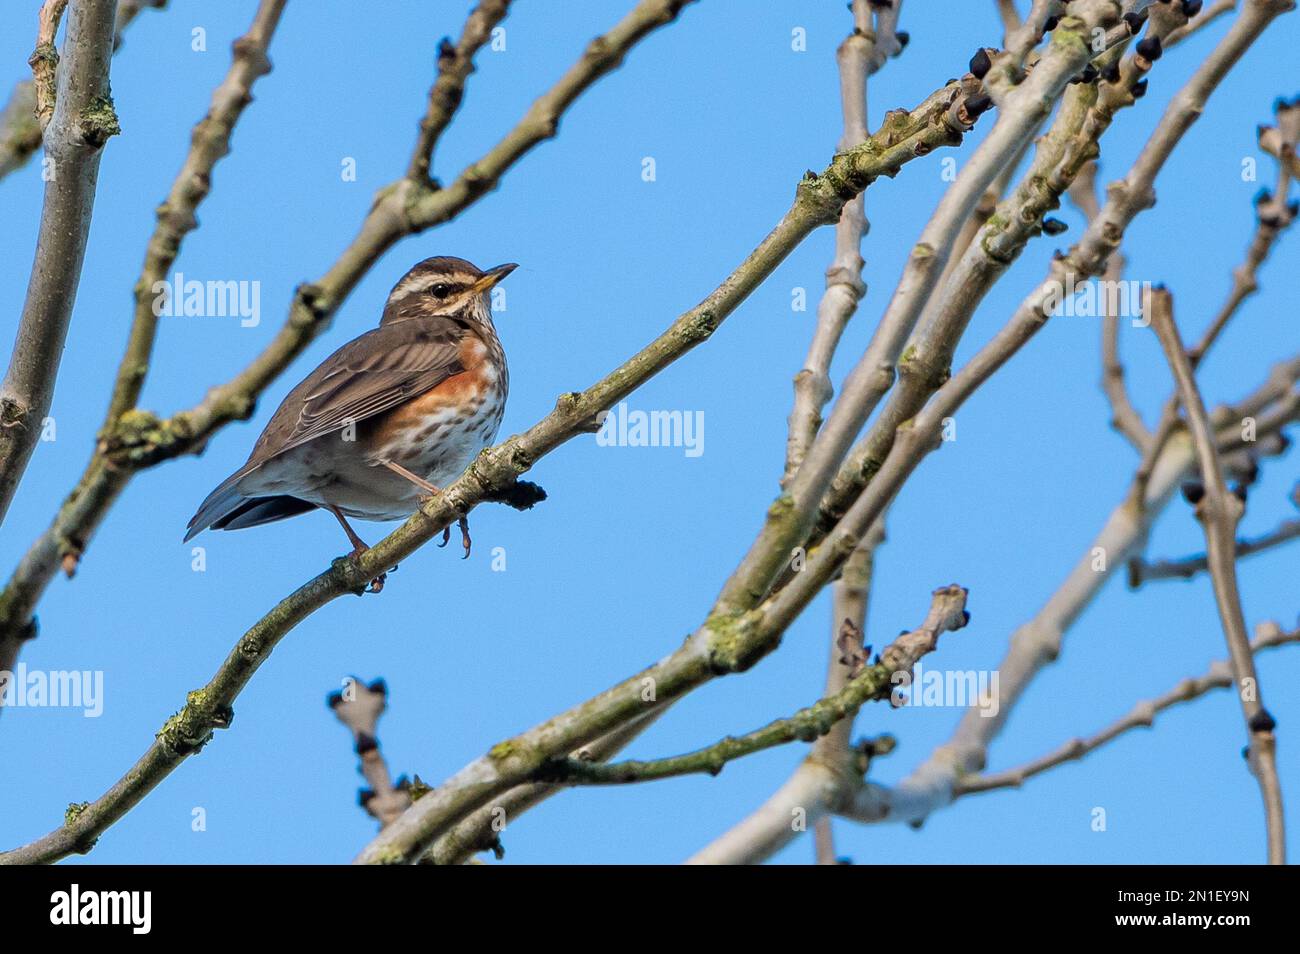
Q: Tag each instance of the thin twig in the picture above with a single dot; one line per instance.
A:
(1219, 512)
(44, 60)
(1143, 715)
(20, 130)
(1123, 415)
(1274, 215)
(1203, 19)
(359, 707)
(867, 683)
(857, 61)
(1141, 571)
(455, 63)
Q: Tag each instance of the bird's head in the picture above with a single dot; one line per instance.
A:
(444, 286)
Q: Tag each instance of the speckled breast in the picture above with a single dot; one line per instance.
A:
(437, 434)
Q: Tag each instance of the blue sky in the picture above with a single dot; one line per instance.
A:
(631, 548)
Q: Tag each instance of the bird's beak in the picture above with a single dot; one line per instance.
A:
(492, 276)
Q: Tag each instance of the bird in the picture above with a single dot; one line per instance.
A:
(385, 421)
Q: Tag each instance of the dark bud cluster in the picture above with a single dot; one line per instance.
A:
(1262, 721)
(1150, 48)
(1053, 226)
(1089, 75)
(981, 63)
(1134, 21)
(1139, 89)
(1191, 8)
(978, 105)
(1193, 492)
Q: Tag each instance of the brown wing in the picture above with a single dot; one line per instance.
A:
(367, 376)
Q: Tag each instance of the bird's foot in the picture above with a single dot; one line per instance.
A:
(465, 541)
(377, 584)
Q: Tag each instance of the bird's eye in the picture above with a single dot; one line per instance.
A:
(440, 290)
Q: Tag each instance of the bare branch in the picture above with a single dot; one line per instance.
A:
(1141, 571)
(44, 60)
(1218, 510)
(359, 708)
(1123, 415)
(1085, 115)
(1143, 715)
(792, 516)
(866, 683)
(828, 776)
(858, 60)
(1203, 19)
(1274, 215)
(209, 143)
(20, 130)
(455, 63)
(81, 120)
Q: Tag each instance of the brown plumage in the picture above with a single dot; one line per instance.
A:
(386, 419)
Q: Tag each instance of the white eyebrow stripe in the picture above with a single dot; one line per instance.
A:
(413, 284)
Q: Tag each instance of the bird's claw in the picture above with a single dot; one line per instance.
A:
(465, 541)
(377, 584)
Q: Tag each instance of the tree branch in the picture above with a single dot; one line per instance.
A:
(1218, 512)
(359, 707)
(793, 515)
(1273, 216)
(1086, 113)
(455, 63)
(867, 683)
(20, 130)
(80, 121)
(1143, 715)
(861, 54)
(1140, 571)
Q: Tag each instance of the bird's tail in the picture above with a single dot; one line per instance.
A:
(228, 509)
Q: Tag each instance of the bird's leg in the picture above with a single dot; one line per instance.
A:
(433, 492)
(359, 546)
